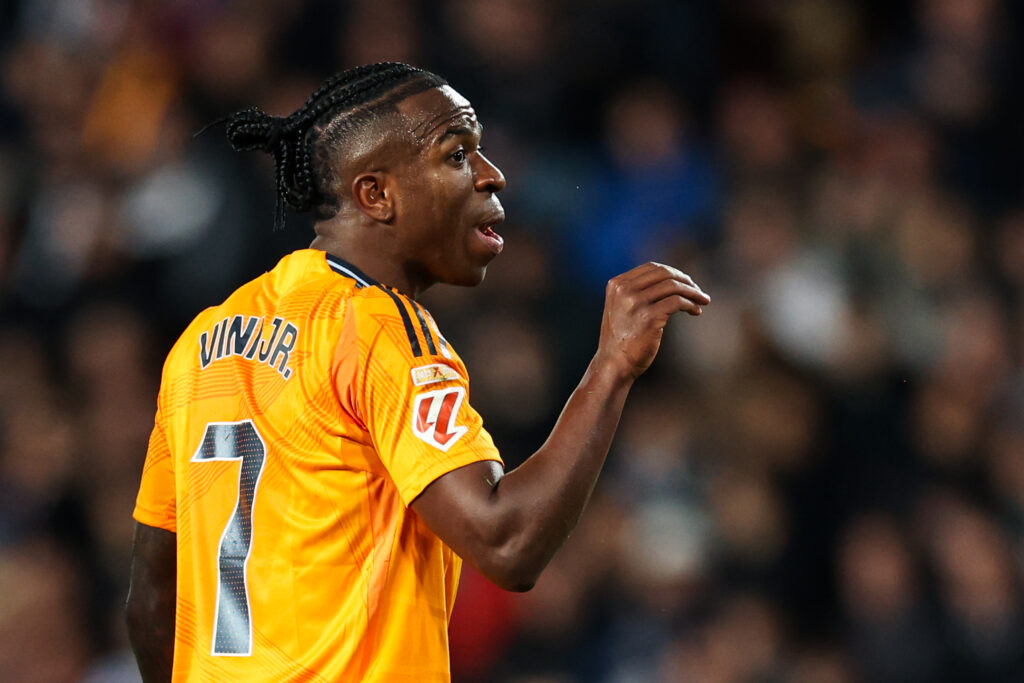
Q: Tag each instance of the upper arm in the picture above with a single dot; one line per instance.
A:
(465, 511)
(455, 505)
(154, 553)
(154, 571)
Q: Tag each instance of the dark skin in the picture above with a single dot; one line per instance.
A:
(411, 206)
(415, 210)
(149, 611)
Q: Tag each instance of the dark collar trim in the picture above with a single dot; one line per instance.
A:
(345, 268)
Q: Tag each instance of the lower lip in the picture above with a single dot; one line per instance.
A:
(492, 239)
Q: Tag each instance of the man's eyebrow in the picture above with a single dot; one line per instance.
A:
(461, 129)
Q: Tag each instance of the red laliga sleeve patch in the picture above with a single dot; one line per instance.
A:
(433, 417)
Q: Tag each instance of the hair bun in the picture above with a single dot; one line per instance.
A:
(253, 129)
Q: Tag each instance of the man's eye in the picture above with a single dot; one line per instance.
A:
(459, 156)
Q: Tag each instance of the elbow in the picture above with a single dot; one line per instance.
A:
(514, 582)
(509, 548)
(511, 569)
(523, 586)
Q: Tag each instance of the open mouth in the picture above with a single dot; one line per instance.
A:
(492, 239)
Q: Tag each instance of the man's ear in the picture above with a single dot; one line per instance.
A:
(374, 193)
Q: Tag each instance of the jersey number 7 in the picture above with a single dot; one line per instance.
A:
(232, 632)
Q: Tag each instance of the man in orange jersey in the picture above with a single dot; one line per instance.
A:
(316, 473)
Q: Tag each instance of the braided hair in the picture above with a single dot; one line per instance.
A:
(301, 143)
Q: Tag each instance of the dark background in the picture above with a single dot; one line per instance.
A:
(820, 480)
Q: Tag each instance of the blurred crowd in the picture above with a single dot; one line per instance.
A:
(821, 480)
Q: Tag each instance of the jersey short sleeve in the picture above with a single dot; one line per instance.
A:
(415, 403)
(155, 505)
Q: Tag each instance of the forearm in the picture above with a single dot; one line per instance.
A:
(150, 608)
(509, 526)
(540, 502)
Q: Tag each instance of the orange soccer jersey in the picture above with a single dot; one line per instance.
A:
(296, 422)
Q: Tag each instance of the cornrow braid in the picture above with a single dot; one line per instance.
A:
(300, 143)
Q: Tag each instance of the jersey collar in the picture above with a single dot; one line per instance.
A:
(343, 267)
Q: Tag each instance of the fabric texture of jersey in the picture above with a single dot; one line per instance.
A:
(295, 424)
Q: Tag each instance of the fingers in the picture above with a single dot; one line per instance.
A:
(663, 288)
(662, 310)
(652, 282)
(639, 271)
(649, 274)
(638, 304)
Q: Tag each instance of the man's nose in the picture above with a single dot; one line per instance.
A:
(486, 176)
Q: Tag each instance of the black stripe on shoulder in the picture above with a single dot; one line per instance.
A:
(426, 330)
(409, 329)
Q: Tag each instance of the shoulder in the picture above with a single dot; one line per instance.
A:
(389, 322)
(300, 286)
(380, 311)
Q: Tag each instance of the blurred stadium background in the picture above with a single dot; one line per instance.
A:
(821, 480)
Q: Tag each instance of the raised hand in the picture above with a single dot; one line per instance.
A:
(637, 307)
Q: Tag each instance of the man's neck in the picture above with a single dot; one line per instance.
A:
(368, 248)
